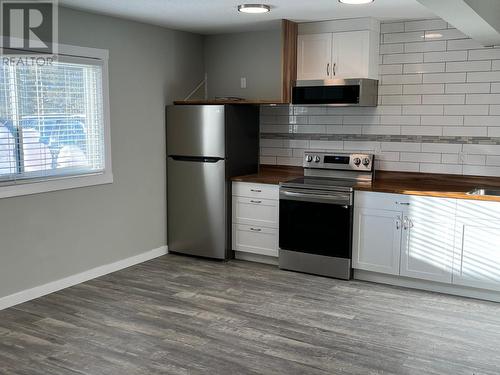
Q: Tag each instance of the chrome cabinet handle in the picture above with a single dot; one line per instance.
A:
(328, 69)
(255, 229)
(256, 190)
(252, 201)
(407, 223)
(402, 203)
(334, 66)
(398, 223)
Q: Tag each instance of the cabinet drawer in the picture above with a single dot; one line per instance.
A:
(264, 191)
(256, 240)
(254, 211)
(381, 201)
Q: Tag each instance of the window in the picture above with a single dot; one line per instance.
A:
(54, 126)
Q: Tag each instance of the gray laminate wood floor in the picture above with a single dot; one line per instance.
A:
(180, 315)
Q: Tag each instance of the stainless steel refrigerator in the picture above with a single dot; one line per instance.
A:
(206, 146)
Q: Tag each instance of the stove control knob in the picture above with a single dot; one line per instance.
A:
(309, 158)
(317, 159)
(357, 161)
(366, 162)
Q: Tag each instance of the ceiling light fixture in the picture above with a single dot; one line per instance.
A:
(356, 2)
(254, 8)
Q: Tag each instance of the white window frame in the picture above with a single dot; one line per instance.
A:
(54, 183)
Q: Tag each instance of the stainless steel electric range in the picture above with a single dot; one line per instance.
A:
(316, 213)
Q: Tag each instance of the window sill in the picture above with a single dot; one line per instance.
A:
(61, 183)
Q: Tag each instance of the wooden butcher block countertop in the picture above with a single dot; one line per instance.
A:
(426, 184)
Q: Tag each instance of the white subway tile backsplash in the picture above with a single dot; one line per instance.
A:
(494, 109)
(484, 54)
(436, 88)
(483, 99)
(468, 66)
(447, 87)
(442, 120)
(466, 109)
(467, 88)
(390, 90)
(432, 24)
(413, 36)
(444, 148)
(403, 58)
(397, 166)
(444, 99)
(400, 120)
(424, 68)
(420, 157)
(462, 44)
(343, 129)
(320, 120)
(422, 130)
(474, 170)
(444, 77)
(422, 110)
(326, 145)
(425, 46)
(482, 121)
(445, 56)
(401, 146)
(381, 129)
(400, 79)
(465, 131)
(441, 168)
(392, 27)
(391, 69)
(361, 120)
(483, 76)
(401, 99)
(392, 48)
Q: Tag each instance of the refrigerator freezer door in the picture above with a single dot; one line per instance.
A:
(196, 205)
(196, 130)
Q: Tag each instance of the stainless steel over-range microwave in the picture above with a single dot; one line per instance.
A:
(361, 92)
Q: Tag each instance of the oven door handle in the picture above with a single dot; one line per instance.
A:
(338, 199)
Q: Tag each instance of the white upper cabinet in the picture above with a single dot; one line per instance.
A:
(314, 56)
(350, 50)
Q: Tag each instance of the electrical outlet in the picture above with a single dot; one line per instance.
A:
(243, 82)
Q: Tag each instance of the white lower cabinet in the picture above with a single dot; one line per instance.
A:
(255, 218)
(413, 236)
(477, 245)
(377, 240)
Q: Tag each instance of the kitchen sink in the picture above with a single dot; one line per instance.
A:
(485, 191)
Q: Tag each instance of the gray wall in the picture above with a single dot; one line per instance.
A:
(254, 55)
(49, 236)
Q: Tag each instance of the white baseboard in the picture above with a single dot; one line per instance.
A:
(54, 286)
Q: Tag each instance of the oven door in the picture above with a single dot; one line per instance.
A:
(316, 222)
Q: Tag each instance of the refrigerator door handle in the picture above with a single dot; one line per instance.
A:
(196, 159)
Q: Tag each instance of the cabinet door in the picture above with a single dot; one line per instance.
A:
(428, 239)
(377, 240)
(477, 253)
(351, 54)
(314, 56)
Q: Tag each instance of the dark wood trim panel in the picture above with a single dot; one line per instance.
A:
(289, 31)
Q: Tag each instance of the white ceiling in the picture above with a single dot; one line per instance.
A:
(219, 16)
